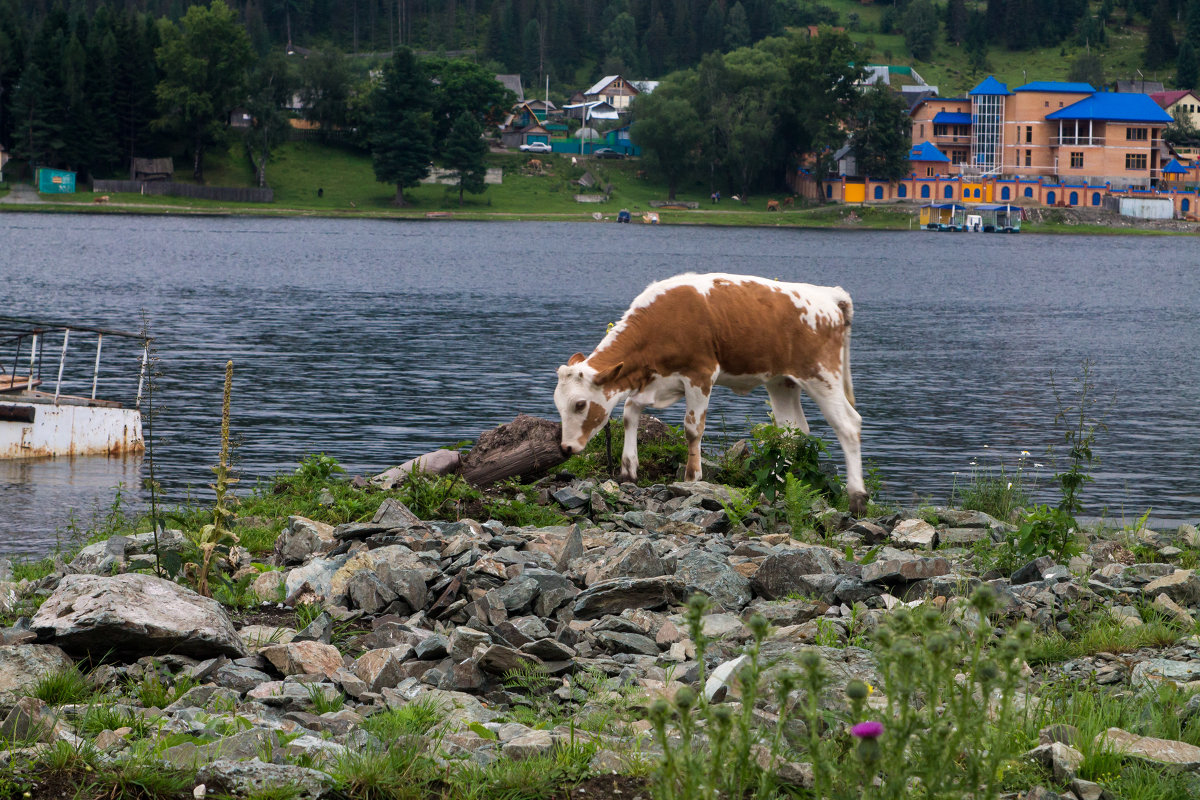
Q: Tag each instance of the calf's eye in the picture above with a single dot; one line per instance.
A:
(580, 406)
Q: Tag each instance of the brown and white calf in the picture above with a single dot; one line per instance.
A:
(683, 335)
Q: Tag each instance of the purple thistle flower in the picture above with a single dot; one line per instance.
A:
(867, 730)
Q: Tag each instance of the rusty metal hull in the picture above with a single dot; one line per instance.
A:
(34, 430)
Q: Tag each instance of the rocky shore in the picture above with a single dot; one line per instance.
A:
(481, 621)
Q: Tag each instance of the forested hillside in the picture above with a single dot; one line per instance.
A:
(87, 84)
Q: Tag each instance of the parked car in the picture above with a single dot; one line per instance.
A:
(535, 147)
(607, 152)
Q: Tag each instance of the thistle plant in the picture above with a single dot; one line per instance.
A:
(713, 750)
(216, 537)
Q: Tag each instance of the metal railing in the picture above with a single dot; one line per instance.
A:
(14, 331)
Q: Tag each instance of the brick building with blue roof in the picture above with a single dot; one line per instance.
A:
(1048, 131)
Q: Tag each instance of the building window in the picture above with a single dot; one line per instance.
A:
(1004, 195)
(922, 130)
(878, 192)
(1074, 199)
(1047, 104)
(1135, 134)
(901, 191)
(1028, 158)
(1077, 160)
(958, 156)
(925, 190)
(929, 172)
(939, 129)
(1028, 134)
(1135, 161)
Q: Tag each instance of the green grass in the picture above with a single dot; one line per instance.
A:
(62, 686)
(1102, 633)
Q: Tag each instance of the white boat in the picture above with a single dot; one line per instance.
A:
(38, 418)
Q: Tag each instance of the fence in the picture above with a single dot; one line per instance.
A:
(224, 194)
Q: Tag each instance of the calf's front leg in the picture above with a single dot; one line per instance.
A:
(693, 428)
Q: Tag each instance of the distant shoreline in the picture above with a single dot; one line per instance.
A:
(831, 217)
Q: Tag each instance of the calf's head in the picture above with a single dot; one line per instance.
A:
(583, 402)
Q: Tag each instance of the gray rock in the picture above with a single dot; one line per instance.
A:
(1182, 586)
(618, 642)
(301, 539)
(366, 591)
(22, 665)
(1032, 571)
(613, 597)
(394, 514)
(317, 574)
(636, 560)
(303, 658)
(714, 576)
(1060, 760)
(570, 498)
(778, 575)
(135, 615)
(1156, 671)
(464, 640)
(915, 534)
(244, 778)
(1155, 751)
(553, 590)
(900, 571)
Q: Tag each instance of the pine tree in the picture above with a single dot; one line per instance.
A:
(400, 138)
(956, 21)
(1160, 40)
(1192, 27)
(465, 153)
(1187, 72)
(920, 29)
(737, 28)
(100, 90)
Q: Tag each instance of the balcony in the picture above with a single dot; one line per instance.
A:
(1077, 141)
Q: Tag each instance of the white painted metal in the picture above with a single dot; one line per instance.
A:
(62, 361)
(1146, 207)
(96, 370)
(32, 357)
(70, 430)
(142, 376)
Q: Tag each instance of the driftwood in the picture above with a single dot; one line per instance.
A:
(526, 447)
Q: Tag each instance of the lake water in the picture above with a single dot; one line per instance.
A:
(375, 341)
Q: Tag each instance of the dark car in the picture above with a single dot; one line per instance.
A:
(607, 152)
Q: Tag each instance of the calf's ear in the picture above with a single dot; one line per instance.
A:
(575, 359)
(609, 374)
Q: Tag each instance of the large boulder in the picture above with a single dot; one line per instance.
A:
(21, 665)
(135, 615)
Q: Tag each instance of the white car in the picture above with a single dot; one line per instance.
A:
(535, 147)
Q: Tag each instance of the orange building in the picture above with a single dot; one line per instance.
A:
(1047, 130)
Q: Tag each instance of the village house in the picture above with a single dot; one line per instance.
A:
(614, 90)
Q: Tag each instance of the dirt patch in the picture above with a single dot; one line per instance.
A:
(269, 616)
(611, 787)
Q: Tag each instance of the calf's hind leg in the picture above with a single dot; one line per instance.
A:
(785, 403)
(847, 424)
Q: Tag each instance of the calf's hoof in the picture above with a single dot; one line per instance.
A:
(625, 476)
(858, 503)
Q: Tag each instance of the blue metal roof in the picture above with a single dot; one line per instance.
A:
(1056, 86)
(1114, 107)
(989, 85)
(952, 117)
(1175, 168)
(926, 152)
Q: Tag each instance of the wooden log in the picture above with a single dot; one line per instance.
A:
(526, 447)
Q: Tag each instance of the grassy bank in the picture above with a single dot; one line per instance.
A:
(311, 179)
